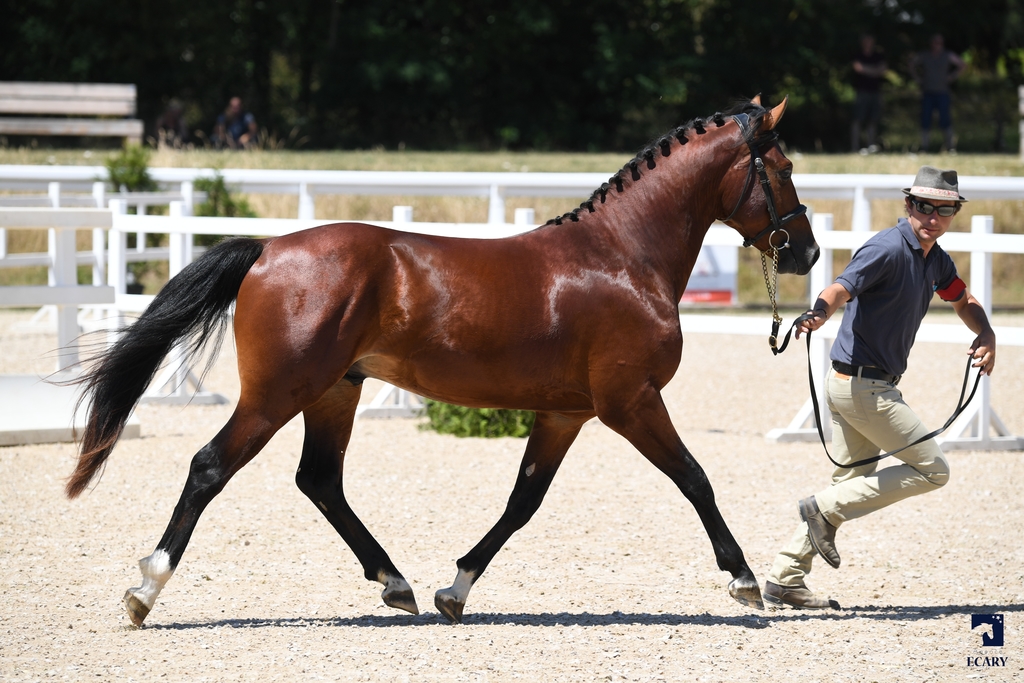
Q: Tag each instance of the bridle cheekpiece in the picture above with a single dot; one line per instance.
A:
(775, 226)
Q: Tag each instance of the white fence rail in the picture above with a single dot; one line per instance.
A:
(63, 290)
(496, 187)
(979, 427)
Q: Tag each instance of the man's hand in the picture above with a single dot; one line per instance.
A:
(831, 298)
(817, 319)
(983, 350)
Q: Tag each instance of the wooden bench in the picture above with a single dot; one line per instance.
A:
(67, 100)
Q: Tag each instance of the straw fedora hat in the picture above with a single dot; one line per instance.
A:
(934, 183)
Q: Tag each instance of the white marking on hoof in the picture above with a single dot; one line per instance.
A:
(463, 583)
(397, 593)
(156, 572)
(450, 601)
(530, 470)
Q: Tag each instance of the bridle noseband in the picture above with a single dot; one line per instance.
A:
(775, 226)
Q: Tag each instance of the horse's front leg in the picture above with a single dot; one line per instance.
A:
(320, 475)
(643, 419)
(551, 437)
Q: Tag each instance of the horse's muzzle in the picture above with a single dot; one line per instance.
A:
(797, 259)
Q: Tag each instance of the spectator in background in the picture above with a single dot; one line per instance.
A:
(934, 70)
(235, 128)
(868, 73)
(170, 127)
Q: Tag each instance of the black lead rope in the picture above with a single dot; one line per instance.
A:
(960, 406)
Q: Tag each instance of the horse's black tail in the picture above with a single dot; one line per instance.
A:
(192, 307)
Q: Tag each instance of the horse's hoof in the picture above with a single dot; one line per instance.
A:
(137, 611)
(746, 592)
(449, 606)
(400, 599)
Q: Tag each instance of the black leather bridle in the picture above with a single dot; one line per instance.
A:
(776, 225)
(757, 164)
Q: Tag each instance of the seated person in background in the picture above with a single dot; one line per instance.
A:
(170, 127)
(235, 128)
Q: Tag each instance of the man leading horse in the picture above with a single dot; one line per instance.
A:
(887, 288)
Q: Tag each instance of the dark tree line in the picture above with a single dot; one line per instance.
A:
(543, 74)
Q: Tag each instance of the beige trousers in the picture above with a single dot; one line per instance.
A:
(868, 415)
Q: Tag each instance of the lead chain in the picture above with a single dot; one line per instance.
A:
(771, 282)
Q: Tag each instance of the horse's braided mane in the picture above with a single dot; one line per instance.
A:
(662, 146)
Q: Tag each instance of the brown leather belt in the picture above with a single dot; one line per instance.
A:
(865, 371)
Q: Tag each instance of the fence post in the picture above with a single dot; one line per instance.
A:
(64, 272)
(140, 237)
(981, 288)
(401, 214)
(53, 192)
(821, 277)
(188, 197)
(117, 246)
(99, 194)
(802, 427)
(973, 429)
(99, 237)
(177, 261)
(496, 205)
(307, 206)
(525, 217)
(861, 210)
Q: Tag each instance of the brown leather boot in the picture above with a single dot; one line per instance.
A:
(800, 597)
(821, 533)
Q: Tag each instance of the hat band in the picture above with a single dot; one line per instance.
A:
(934, 192)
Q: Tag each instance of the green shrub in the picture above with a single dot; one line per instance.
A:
(130, 169)
(486, 422)
(220, 201)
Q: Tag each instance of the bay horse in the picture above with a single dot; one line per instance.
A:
(575, 319)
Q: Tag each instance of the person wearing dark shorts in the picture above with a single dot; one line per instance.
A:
(887, 288)
(868, 74)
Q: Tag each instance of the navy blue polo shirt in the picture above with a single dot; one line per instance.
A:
(891, 283)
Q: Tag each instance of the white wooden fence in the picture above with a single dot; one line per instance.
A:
(63, 290)
(495, 187)
(975, 433)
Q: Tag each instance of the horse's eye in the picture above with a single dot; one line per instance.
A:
(786, 174)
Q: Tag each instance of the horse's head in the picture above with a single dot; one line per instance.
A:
(770, 216)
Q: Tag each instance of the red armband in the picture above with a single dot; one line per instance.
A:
(954, 291)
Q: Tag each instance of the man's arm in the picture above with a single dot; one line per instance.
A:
(830, 299)
(958, 66)
(984, 347)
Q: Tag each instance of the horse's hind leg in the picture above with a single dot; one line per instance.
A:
(319, 476)
(550, 439)
(237, 443)
(645, 422)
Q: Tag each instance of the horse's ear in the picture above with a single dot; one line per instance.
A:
(756, 100)
(772, 118)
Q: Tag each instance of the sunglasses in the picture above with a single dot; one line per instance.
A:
(927, 209)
